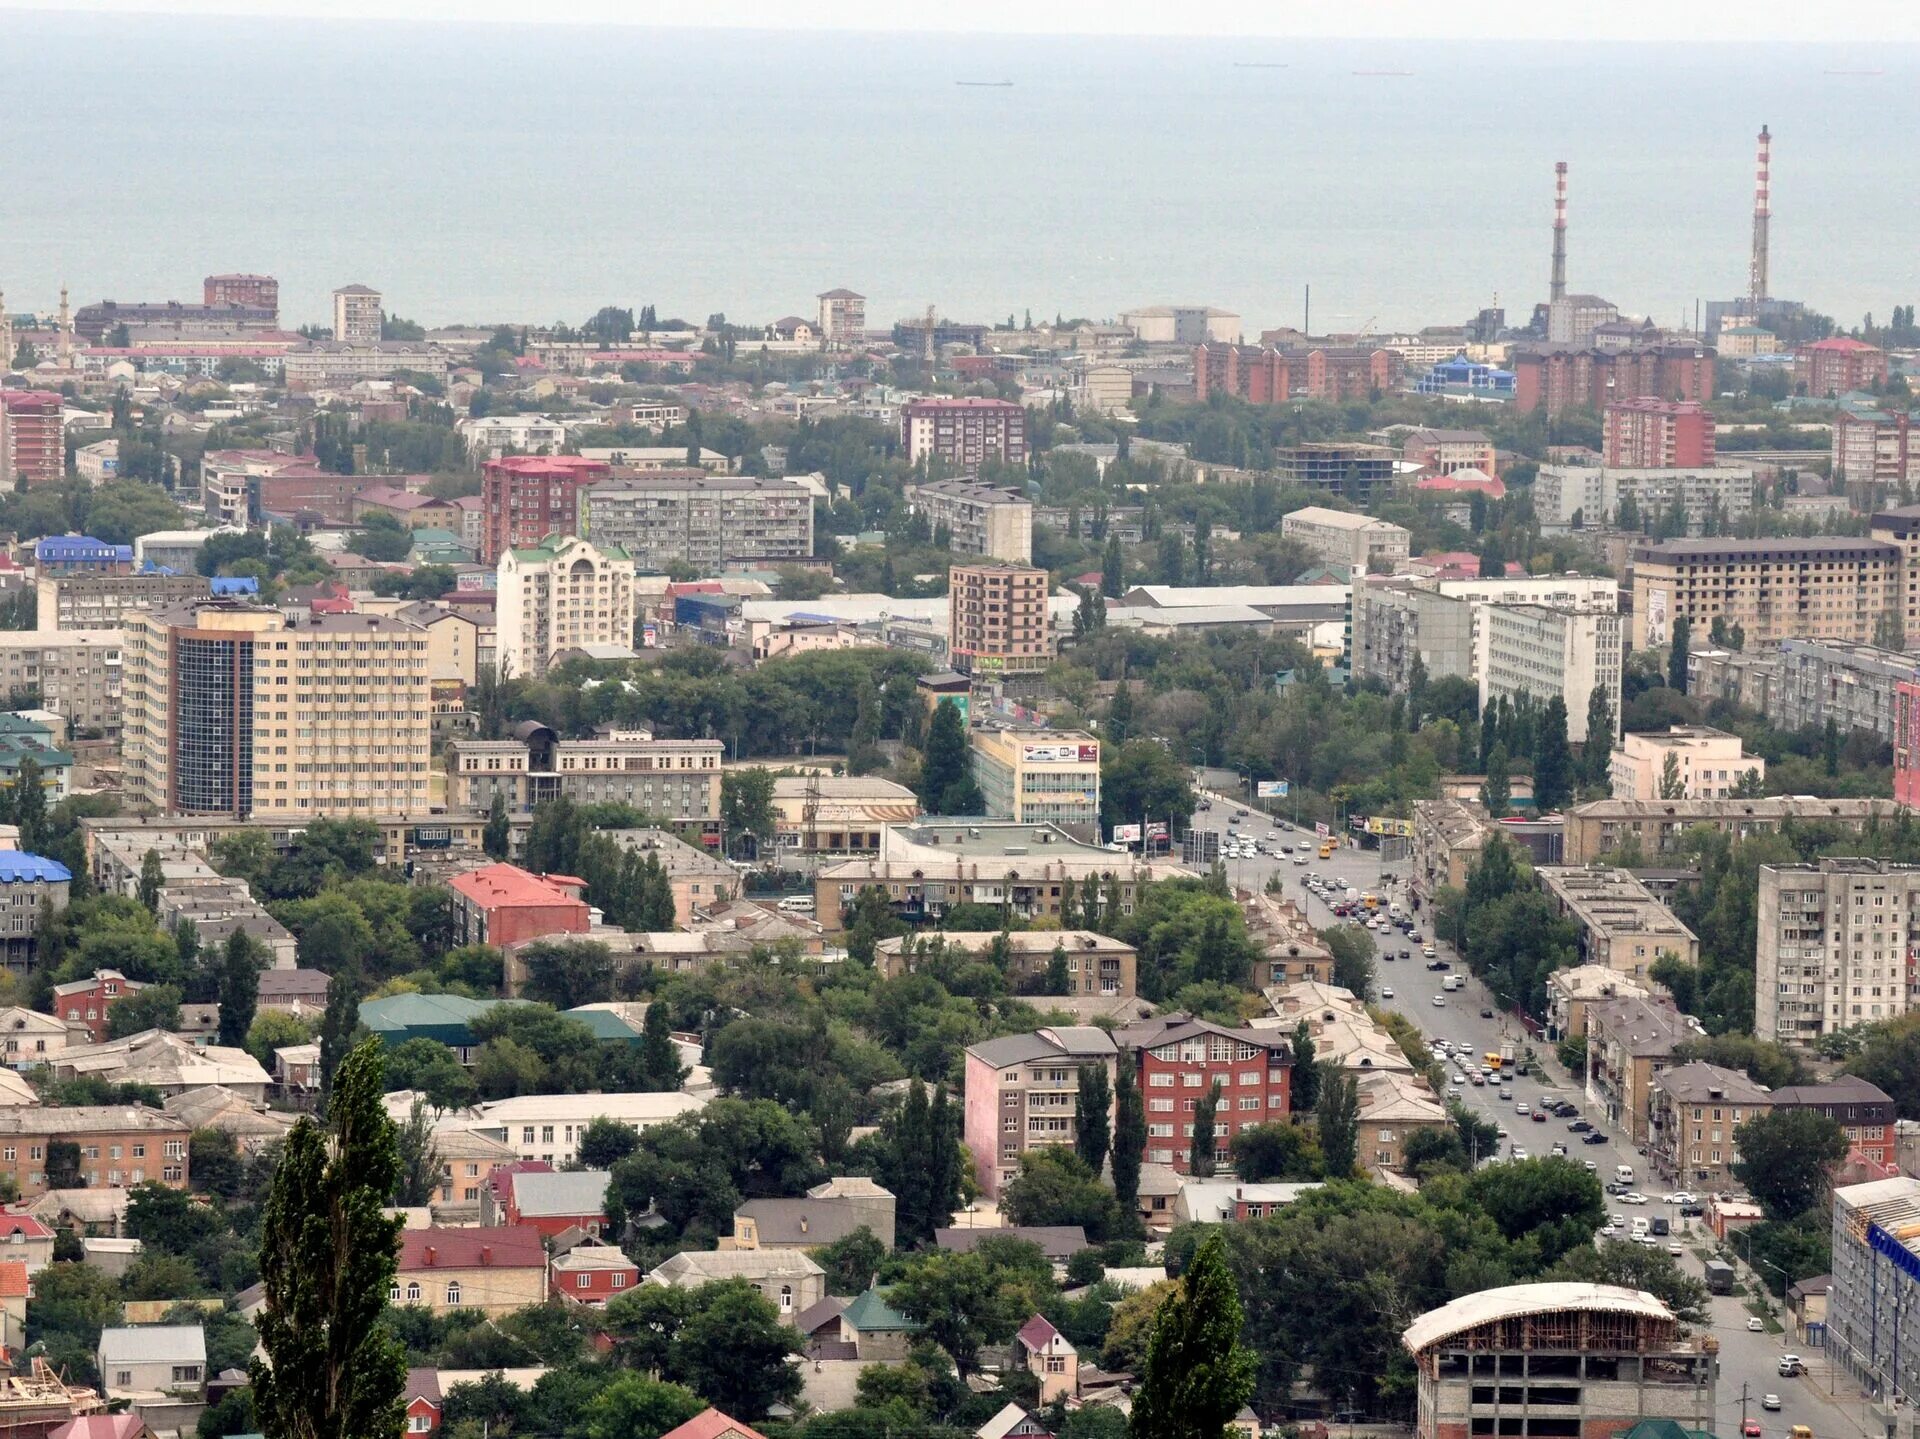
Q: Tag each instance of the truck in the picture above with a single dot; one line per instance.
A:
(1719, 1277)
(1506, 1056)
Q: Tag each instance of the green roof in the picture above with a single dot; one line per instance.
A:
(870, 1314)
(445, 1017)
(1662, 1429)
(605, 1024)
(552, 545)
(429, 535)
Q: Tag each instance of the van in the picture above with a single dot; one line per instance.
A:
(1326, 849)
(1492, 1058)
(1790, 1365)
(1660, 1226)
(1623, 1173)
(1453, 982)
(797, 904)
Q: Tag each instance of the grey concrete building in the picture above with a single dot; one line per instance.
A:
(705, 520)
(1832, 946)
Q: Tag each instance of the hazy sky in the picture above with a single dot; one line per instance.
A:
(1655, 21)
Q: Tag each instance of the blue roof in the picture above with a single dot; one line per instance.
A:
(58, 548)
(19, 867)
(235, 585)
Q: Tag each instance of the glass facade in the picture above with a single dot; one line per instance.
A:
(212, 740)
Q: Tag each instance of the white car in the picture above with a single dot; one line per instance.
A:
(1273, 834)
(1523, 1110)
(1387, 993)
(1633, 1197)
(1439, 1003)
(1427, 950)
(1754, 1326)
(1770, 1402)
(1676, 1250)
(1299, 859)
(1518, 1152)
(1680, 1196)
(1592, 1168)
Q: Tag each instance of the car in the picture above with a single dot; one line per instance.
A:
(1387, 993)
(1518, 1152)
(1486, 1014)
(1617, 1221)
(1595, 1138)
(1522, 1111)
(1499, 1132)
(1428, 951)
(1581, 1126)
(1539, 1116)
(1443, 964)
(1646, 1241)
(1676, 1249)
(1679, 1197)
(1615, 1187)
(1633, 1196)
(1750, 1429)
(1790, 1365)
(1609, 1232)
(1478, 1078)
(1770, 1402)
(1406, 954)
(1273, 834)
(1434, 964)
(1414, 935)
(1693, 1211)
(1439, 1003)
(1754, 1326)
(1558, 1150)
(1592, 1168)
(1299, 859)
(1506, 1076)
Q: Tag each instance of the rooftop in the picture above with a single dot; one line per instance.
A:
(503, 1246)
(1517, 1301)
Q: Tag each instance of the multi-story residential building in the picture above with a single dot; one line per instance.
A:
(1039, 776)
(325, 364)
(1875, 1284)
(1441, 452)
(1563, 379)
(1864, 1112)
(27, 883)
(843, 320)
(1448, 835)
(993, 521)
(83, 1003)
(119, 1145)
(261, 292)
(489, 437)
(964, 433)
(74, 673)
(501, 904)
(1545, 653)
(1654, 828)
(1361, 542)
(997, 622)
(1358, 474)
(670, 778)
(1875, 447)
(1179, 1060)
(1899, 528)
(1021, 1094)
(494, 1270)
(1258, 374)
(699, 518)
(33, 449)
(1853, 685)
(1833, 941)
(1820, 587)
(1629, 1041)
(1834, 366)
(1709, 764)
(1906, 744)
(92, 322)
(1595, 495)
(356, 313)
(81, 555)
(1399, 626)
(1338, 373)
(564, 594)
(1622, 926)
(1571, 992)
(549, 1127)
(1649, 434)
(231, 711)
(97, 602)
(1096, 964)
(1605, 1359)
(526, 498)
(1692, 1113)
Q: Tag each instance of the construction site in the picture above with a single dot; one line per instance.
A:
(34, 1404)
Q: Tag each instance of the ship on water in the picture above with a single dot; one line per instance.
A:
(986, 84)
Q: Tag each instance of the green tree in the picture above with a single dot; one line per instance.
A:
(1353, 952)
(239, 988)
(337, 1025)
(964, 1302)
(1496, 792)
(1306, 1073)
(328, 1254)
(1677, 655)
(660, 1068)
(1059, 978)
(155, 1007)
(1202, 1160)
(420, 1164)
(1092, 1136)
(1129, 1143)
(746, 805)
(1554, 1201)
(1552, 758)
(946, 774)
(605, 1142)
(1197, 1375)
(1672, 786)
(1336, 1119)
(851, 1261)
(497, 836)
(1597, 751)
(1278, 1151)
(1113, 569)
(1632, 1266)
(920, 1163)
(1055, 1187)
(152, 877)
(1788, 1158)
(633, 1407)
(734, 1351)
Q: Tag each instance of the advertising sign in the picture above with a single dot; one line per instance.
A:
(649, 636)
(1125, 834)
(1382, 824)
(1322, 830)
(1270, 789)
(1060, 753)
(1656, 615)
(1157, 829)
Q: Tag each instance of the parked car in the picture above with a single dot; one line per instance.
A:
(1486, 1014)
(1581, 1126)
(1387, 993)
(1754, 1326)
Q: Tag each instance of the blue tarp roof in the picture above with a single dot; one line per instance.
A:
(19, 867)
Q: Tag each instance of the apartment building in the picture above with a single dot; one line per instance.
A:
(1853, 685)
(97, 602)
(549, 1127)
(964, 433)
(1544, 653)
(501, 904)
(1021, 1093)
(837, 814)
(1834, 366)
(565, 593)
(997, 622)
(525, 498)
(992, 521)
(220, 292)
(1403, 624)
(699, 518)
(1622, 926)
(671, 778)
(1833, 941)
(1179, 1059)
(1657, 827)
(1629, 1042)
(1709, 764)
(74, 673)
(117, 1145)
(1360, 542)
(1559, 379)
(1645, 433)
(356, 313)
(33, 448)
(1820, 587)
(1570, 992)
(337, 364)
(491, 437)
(1693, 1113)
(1595, 495)
(843, 319)
(1096, 964)
(230, 710)
(1875, 447)
(1038, 776)
(1441, 452)
(1358, 474)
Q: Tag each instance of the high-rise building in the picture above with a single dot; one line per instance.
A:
(964, 433)
(356, 314)
(1560, 379)
(994, 521)
(1837, 365)
(259, 292)
(1595, 495)
(228, 709)
(1875, 447)
(1342, 537)
(699, 518)
(525, 498)
(1648, 434)
(1827, 587)
(559, 595)
(997, 620)
(843, 319)
(1258, 374)
(32, 438)
(1547, 654)
(1832, 943)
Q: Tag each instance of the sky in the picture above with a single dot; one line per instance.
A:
(1651, 21)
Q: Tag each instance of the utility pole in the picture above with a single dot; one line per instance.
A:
(1743, 1404)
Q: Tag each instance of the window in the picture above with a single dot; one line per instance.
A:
(123, 1378)
(1055, 1364)
(413, 1291)
(393, 1294)
(1160, 1081)
(453, 1294)
(186, 1374)
(583, 1281)
(619, 1280)
(419, 1423)
(786, 1299)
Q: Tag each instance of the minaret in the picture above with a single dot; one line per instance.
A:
(1557, 291)
(1762, 212)
(66, 332)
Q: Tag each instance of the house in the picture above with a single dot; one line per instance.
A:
(877, 1331)
(712, 1424)
(550, 1126)
(1218, 1201)
(25, 1238)
(1807, 1303)
(103, 1426)
(788, 1280)
(1013, 1422)
(85, 1001)
(467, 1161)
(1045, 1353)
(169, 1063)
(423, 1401)
(28, 1037)
(1393, 1108)
(99, 1210)
(549, 1202)
(296, 1068)
(396, 1018)
(502, 904)
(16, 1288)
(830, 1212)
(152, 1359)
(295, 991)
(495, 1271)
(819, 1325)
(591, 1273)
(112, 1145)
(1059, 1242)
(111, 1256)
(252, 1126)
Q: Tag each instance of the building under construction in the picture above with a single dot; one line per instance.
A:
(34, 1404)
(1557, 1361)
(1872, 1333)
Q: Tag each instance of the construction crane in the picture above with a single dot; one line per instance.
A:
(1366, 329)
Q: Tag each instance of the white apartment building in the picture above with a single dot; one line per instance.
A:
(1532, 650)
(988, 520)
(490, 437)
(565, 593)
(341, 362)
(1709, 762)
(1594, 494)
(1341, 537)
(703, 519)
(356, 313)
(1833, 940)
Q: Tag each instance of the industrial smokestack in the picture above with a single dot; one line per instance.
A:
(1557, 291)
(1762, 212)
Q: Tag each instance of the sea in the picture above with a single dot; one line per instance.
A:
(477, 173)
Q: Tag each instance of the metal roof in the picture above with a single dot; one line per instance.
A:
(1519, 1301)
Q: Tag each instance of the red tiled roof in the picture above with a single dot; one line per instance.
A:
(507, 884)
(25, 1225)
(505, 1246)
(536, 466)
(14, 1283)
(712, 1424)
(422, 1384)
(1037, 1333)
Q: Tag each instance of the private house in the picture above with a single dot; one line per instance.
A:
(424, 1403)
(829, 1212)
(788, 1280)
(547, 1201)
(84, 1002)
(592, 1273)
(1045, 1353)
(169, 1063)
(878, 1332)
(712, 1424)
(145, 1360)
(25, 1238)
(495, 1270)
(1013, 1422)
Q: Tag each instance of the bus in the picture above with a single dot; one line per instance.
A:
(1370, 902)
(1492, 1059)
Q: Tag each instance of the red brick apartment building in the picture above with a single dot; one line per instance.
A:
(964, 433)
(32, 438)
(1349, 373)
(1563, 379)
(86, 1001)
(1832, 367)
(1179, 1059)
(218, 292)
(525, 498)
(1648, 434)
(1258, 374)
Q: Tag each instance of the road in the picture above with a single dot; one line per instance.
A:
(1746, 1358)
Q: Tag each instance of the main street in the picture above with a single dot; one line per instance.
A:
(1469, 1016)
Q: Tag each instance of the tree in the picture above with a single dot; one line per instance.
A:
(606, 1141)
(328, 1255)
(919, 1162)
(1595, 754)
(1497, 790)
(1056, 1187)
(1059, 978)
(1306, 1074)
(964, 1301)
(634, 1407)
(1091, 1135)
(734, 1349)
(152, 877)
(155, 1007)
(1278, 1151)
(1615, 1261)
(946, 776)
(1197, 1374)
(1353, 952)
(1677, 655)
(239, 988)
(746, 805)
(1553, 1200)
(1552, 758)
(1672, 786)
(342, 1017)
(851, 1261)
(1787, 1159)
(1129, 1143)
(497, 836)
(1202, 1160)
(660, 1068)
(568, 973)
(1336, 1119)
(419, 1157)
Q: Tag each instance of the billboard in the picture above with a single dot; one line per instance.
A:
(447, 694)
(1656, 615)
(1060, 753)
(1385, 824)
(649, 636)
(1271, 789)
(1322, 830)
(1125, 834)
